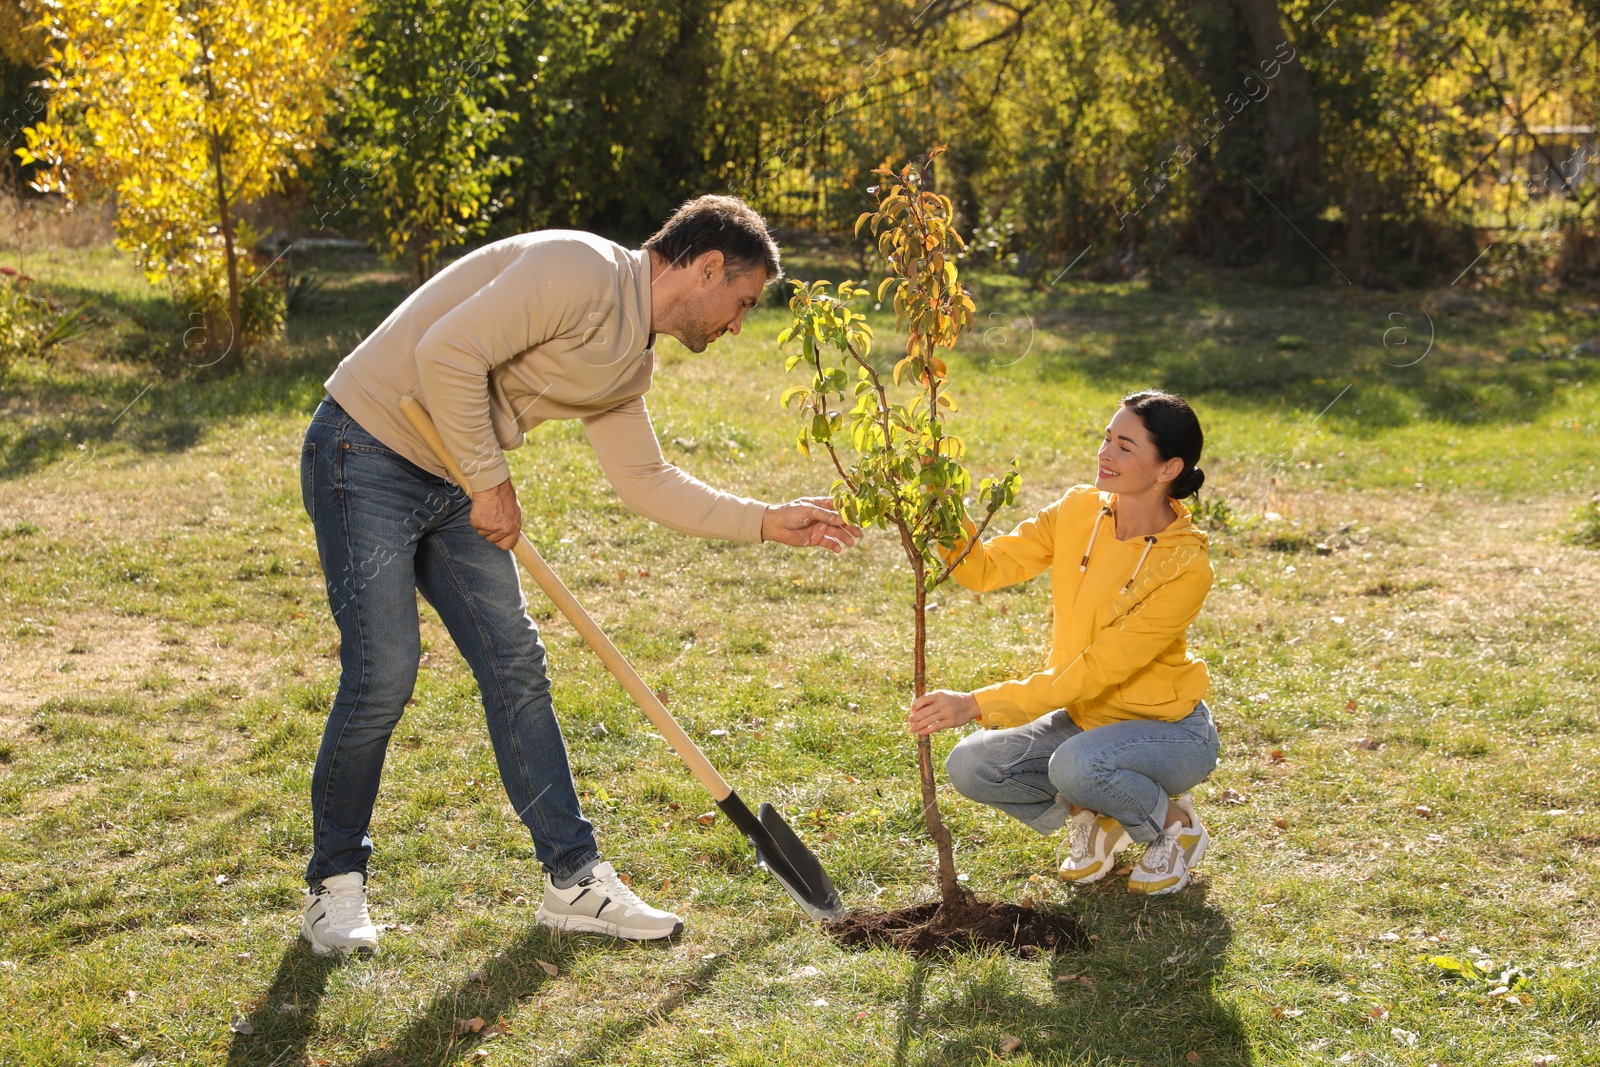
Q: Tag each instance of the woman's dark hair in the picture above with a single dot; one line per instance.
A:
(1175, 429)
(723, 224)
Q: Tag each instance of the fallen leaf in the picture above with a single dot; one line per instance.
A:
(1009, 1044)
(479, 975)
(1378, 1013)
(666, 884)
(1275, 756)
(241, 1025)
(469, 1026)
(480, 1053)
(1191, 1056)
(547, 968)
(706, 818)
(1424, 811)
(1349, 705)
(1233, 796)
(1404, 1038)
(1123, 869)
(1068, 978)
(1367, 744)
(130, 996)
(625, 880)
(1281, 823)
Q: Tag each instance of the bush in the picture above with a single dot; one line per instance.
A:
(18, 339)
(201, 297)
(30, 324)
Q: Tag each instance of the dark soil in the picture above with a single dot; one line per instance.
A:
(927, 929)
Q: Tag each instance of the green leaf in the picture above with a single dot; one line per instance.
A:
(1463, 969)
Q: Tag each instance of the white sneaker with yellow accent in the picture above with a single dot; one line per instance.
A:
(1092, 847)
(1170, 858)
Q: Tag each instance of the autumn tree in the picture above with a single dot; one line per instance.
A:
(418, 126)
(906, 473)
(187, 109)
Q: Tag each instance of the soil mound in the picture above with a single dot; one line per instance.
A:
(927, 929)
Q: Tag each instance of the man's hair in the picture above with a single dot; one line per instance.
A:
(723, 224)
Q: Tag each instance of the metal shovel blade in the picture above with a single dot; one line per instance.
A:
(780, 851)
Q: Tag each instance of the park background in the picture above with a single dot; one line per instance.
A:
(1360, 236)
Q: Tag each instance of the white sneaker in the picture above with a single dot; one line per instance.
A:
(601, 904)
(336, 919)
(1092, 847)
(1168, 861)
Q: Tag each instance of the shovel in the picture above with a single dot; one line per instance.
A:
(777, 847)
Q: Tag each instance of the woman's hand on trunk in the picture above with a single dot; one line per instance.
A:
(941, 710)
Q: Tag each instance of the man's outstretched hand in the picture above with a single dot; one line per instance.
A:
(497, 515)
(810, 522)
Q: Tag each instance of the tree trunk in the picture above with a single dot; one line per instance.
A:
(1293, 134)
(224, 217)
(235, 318)
(949, 888)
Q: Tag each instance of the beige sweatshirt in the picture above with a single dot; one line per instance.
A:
(548, 325)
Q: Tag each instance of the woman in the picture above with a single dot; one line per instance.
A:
(1115, 725)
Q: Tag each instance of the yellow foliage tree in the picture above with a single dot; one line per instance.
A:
(187, 109)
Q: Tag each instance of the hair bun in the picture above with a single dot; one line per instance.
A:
(1188, 483)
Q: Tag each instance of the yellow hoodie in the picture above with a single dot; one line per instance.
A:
(1121, 610)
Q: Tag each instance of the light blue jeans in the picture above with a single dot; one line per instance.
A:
(1126, 770)
(386, 530)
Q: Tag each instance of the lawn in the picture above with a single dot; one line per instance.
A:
(1403, 640)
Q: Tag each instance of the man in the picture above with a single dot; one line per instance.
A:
(551, 325)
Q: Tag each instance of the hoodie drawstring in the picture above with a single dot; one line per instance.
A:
(1149, 543)
(1094, 532)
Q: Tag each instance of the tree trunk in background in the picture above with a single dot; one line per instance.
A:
(1246, 128)
(1293, 144)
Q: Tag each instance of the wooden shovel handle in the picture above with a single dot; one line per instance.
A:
(553, 587)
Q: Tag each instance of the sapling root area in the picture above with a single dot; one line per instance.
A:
(966, 923)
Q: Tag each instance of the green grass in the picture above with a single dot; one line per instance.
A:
(1401, 622)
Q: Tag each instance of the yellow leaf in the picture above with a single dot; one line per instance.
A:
(863, 217)
(883, 287)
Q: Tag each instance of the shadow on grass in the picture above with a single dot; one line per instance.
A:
(71, 407)
(911, 1013)
(281, 1036)
(509, 977)
(601, 1048)
(1143, 995)
(1453, 357)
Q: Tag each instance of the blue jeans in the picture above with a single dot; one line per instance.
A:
(1126, 770)
(385, 530)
